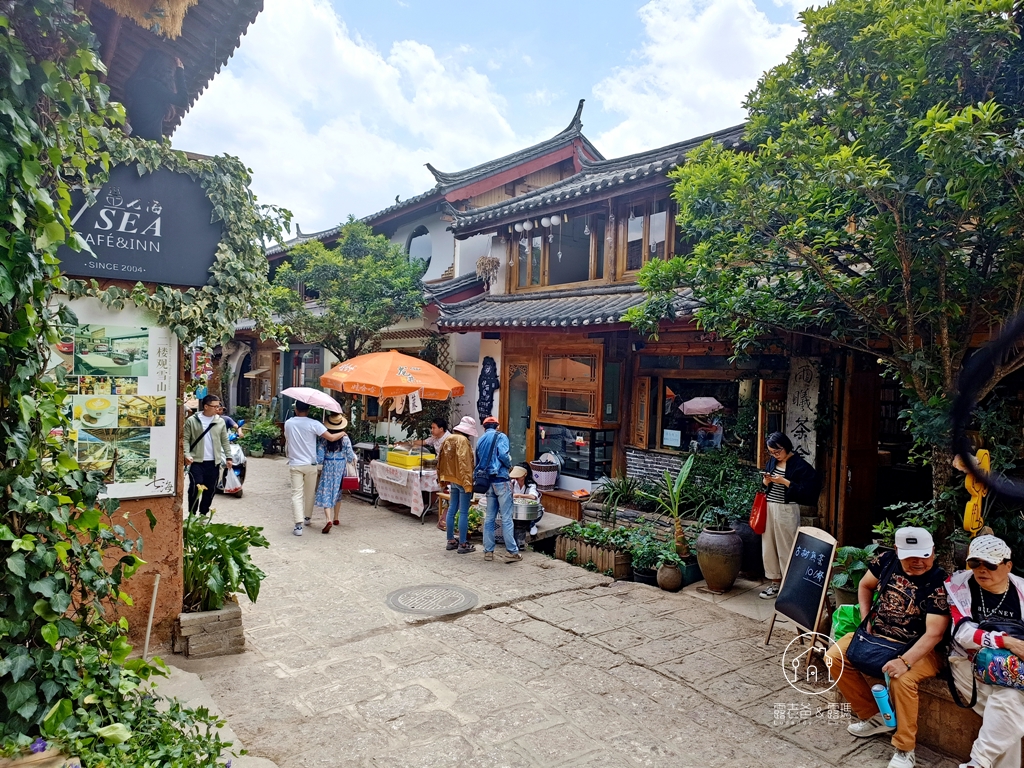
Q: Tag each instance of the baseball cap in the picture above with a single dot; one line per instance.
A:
(913, 542)
(490, 420)
(991, 549)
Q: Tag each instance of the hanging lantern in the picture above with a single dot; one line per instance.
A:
(527, 225)
(545, 222)
(556, 220)
(519, 227)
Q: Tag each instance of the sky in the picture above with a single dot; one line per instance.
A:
(336, 105)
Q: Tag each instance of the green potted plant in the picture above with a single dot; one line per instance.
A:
(719, 549)
(645, 549)
(670, 570)
(885, 534)
(215, 565)
(670, 502)
(850, 565)
(258, 435)
(607, 548)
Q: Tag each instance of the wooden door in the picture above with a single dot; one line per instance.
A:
(857, 470)
(518, 407)
(641, 411)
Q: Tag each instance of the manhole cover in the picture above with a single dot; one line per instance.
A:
(432, 600)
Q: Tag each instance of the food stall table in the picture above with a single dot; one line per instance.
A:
(404, 486)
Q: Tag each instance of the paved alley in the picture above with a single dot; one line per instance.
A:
(554, 666)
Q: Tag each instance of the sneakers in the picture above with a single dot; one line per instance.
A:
(465, 549)
(772, 590)
(488, 556)
(864, 728)
(513, 557)
(307, 521)
(297, 530)
(452, 544)
(901, 759)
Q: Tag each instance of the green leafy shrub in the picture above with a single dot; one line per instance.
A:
(217, 563)
(850, 565)
(260, 433)
(644, 547)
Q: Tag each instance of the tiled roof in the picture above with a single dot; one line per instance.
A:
(210, 32)
(302, 237)
(446, 288)
(591, 306)
(595, 176)
(449, 181)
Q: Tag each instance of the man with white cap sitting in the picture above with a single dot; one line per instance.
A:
(912, 611)
(986, 602)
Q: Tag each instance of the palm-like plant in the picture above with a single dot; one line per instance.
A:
(216, 563)
(670, 499)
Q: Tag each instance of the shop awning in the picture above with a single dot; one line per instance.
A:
(255, 374)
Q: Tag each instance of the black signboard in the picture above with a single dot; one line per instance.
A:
(805, 581)
(154, 228)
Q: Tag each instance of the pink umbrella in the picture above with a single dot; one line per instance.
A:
(700, 406)
(313, 397)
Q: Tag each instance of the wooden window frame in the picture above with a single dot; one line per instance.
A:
(594, 389)
(512, 251)
(622, 219)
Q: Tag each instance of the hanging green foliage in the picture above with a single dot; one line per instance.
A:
(65, 677)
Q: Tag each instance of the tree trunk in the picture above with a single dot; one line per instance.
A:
(942, 468)
(682, 546)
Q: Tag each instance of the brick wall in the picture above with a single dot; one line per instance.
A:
(650, 465)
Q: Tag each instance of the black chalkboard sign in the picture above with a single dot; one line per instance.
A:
(802, 595)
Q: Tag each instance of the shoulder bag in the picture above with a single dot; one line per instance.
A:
(482, 472)
(868, 652)
(759, 513)
(999, 666)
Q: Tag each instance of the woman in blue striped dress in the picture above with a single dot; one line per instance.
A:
(333, 457)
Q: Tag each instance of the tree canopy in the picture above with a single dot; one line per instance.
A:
(878, 205)
(352, 291)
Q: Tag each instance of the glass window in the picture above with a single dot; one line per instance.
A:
(569, 253)
(635, 238)
(523, 266)
(658, 231)
(571, 368)
(529, 260)
(679, 430)
(536, 251)
(568, 403)
(598, 227)
(419, 247)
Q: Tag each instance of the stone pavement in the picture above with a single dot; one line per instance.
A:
(555, 666)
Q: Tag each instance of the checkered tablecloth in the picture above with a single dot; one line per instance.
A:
(403, 486)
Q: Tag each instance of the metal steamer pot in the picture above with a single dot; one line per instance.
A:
(524, 510)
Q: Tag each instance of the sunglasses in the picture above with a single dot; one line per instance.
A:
(974, 564)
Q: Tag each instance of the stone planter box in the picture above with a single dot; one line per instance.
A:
(209, 633)
(51, 758)
(604, 558)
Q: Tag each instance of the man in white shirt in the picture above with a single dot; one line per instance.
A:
(300, 434)
(206, 449)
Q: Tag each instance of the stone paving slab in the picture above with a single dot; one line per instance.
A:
(555, 667)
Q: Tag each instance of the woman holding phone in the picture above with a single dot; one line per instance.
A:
(789, 482)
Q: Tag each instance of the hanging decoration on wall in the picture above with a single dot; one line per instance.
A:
(487, 385)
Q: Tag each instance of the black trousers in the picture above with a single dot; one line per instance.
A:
(205, 473)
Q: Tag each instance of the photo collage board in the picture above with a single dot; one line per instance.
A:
(120, 373)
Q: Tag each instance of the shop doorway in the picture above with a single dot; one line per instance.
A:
(518, 377)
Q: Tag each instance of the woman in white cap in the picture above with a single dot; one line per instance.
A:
(334, 458)
(520, 487)
(985, 602)
(455, 472)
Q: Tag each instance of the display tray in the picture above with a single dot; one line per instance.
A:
(409, 460)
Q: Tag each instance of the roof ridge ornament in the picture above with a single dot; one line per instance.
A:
(576, 126)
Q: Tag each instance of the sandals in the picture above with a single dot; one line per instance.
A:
(327, 528)
(452, 544)
(465, 549)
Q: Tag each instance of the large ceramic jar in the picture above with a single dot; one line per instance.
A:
(720, 554)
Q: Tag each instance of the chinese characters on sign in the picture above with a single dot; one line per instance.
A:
(785, 714)
(802, 405)
(814, 565)
(120, 373)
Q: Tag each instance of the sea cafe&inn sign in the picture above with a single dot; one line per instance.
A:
(153, 228)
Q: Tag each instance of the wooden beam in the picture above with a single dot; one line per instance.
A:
(110, 42)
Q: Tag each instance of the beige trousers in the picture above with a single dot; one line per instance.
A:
(778, 537)
(303, 480)
(1002, 718)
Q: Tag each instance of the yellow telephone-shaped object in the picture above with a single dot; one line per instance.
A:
(973, 521)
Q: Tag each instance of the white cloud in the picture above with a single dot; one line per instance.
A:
(699, 60)
(542, 97)
(331, 126)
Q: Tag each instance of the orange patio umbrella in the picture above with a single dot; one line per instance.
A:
(391, 374)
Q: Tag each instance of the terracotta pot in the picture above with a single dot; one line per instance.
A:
(751, 564)
(670, 578)
(720, 554)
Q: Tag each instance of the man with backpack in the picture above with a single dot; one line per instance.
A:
(490, 476)
(207, 449)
